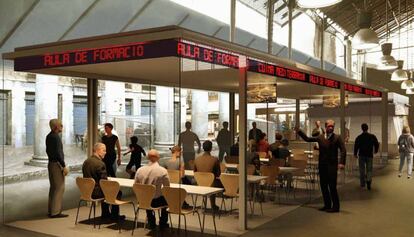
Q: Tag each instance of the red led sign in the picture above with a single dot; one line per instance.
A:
(132, 51)
(362, 90)
(273, 70)
(199, 53)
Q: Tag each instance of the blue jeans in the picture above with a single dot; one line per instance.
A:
(365, 169)
(409, 157)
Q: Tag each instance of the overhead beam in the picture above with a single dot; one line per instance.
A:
(136, 15)
(18, 23)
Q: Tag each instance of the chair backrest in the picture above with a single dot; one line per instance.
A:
(222, 167)
(175, 198)
(231, 159)
(110, 190)
(262, 154)
(86, 186)
(191, 164)
(250, 169)
(204, 178)
(298, 151)
(277, 162)
(301, 165)
(230, 183)
(144, 194)
(300, 156)
(174, 176)
(271, 172)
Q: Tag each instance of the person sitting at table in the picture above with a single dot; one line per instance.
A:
(252, 157)
(234, 149)
(282, 152)
(276, 144)
(208, 163)
(262, 144)
(95, 168)
(156, 175)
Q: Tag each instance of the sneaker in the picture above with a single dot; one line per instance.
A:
(332, 210)
(324, 208)
(399, 175)
(409, 177)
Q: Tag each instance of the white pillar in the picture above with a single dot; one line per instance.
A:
(224, 107)
(251, 111)
(183, 115)
(46, 108)
(199, 113)
(115, 108)
(136, 103)
(67, 115)
(18, 114)
(164, 116)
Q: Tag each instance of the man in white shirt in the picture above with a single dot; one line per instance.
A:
(156, 175)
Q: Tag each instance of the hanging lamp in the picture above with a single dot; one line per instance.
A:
(365, 38)
(316, 3)
(399, 74)
(387, 62)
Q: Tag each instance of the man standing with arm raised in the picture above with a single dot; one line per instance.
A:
(328, 163)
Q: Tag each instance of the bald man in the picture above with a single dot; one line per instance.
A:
(95, 168)
(156, 175)
(329, 143)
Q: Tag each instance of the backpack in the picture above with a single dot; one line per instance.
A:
(403, 144)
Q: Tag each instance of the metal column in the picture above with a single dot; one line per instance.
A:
(384, 127)
(322, 32)
(232, 117)
(242, 147)
(342, 109)
(291, 5)
(297, 116)
(92, 97)
(232, 19)
(270, 10)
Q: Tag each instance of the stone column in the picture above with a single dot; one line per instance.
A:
(164, 116)
(67, 115)
(348, 58)
(115, 108)
(199, 113)
(183, 115)
(224, 108)
(46, 108)
(18, 115)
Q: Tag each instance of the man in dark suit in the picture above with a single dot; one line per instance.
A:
(328, 163)
(255, 133)
(57, 169)
(95, 168)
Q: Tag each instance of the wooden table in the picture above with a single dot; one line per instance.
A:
(205, 192)
(287, 170)
(308, 152)
(231, 166)
(250, 178)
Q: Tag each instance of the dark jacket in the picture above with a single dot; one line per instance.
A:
(366, 144)
(95, 168)
(54, 148)
(255, 134)
(328, 148)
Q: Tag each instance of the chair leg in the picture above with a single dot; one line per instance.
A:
(185, 223)
(231, 205)
(169, 214)
(94, 214)
(77, 213)
(135, 220)
(90, 211)
(199, 221)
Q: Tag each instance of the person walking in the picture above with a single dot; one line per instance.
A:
(224, 141)
(135, 160)
(366, 144)
(111, 140)
(328, 163)
(406, 149)
(57, 169)
(186, 140)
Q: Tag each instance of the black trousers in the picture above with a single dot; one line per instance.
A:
(328, 178)
(114, 213)
(109, 161)
(157, 202)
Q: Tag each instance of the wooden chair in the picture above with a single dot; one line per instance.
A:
(204, 178)
(277, 162)
(251, 169)
(272, 173)
(144, 194)
(222, 167)
(174, 176)
(232, 159)
(300, 156)
(86, 187)
(300, 174)
(231, 187)
(110, 190)
(262, 154)
(175, 198)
